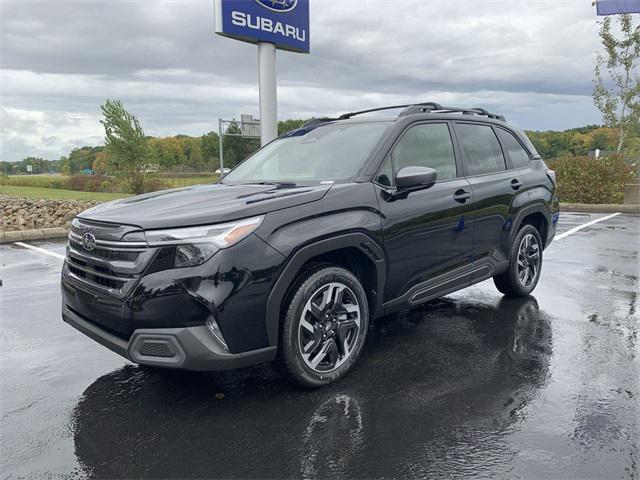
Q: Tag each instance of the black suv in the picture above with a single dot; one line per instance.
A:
(298, 248)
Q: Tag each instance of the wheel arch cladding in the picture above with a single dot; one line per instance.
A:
(355, 252)
(536, 216)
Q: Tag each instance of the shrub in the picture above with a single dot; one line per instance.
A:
(60, 184)
(153, 184)
(90, 183)
(592, 180)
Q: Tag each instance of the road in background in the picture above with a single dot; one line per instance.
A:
(468, 385)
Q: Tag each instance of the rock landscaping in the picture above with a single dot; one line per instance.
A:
(20, 213)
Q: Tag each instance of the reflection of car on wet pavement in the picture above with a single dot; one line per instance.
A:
(464, 368)
(323, 230)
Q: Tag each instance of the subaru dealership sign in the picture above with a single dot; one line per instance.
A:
(285, 23)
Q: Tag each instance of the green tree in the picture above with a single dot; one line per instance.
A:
(167, 152)
(192, 150)
(81, 158)
(618, 95)
(126, 145)
(64, 165)
(37, 164)
(285, 126)
(210, 149)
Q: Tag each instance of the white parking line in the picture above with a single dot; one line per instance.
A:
(41, 250)
(584, 225)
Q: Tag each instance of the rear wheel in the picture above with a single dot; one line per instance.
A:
(325, 327)
(525, 264)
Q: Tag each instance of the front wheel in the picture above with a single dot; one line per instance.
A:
(325, 327)
(525, 264)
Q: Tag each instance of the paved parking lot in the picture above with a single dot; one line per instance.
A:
(470, 385)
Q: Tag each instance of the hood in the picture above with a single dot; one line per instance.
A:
(201, 205)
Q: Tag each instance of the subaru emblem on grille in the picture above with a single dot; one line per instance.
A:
(88, 241)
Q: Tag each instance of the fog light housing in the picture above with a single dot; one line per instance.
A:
(213, 327)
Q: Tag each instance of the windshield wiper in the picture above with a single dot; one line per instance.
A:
(277, 184)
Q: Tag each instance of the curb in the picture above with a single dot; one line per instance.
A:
(604, 208)
(38, 234)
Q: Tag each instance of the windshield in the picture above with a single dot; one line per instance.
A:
(319, 153)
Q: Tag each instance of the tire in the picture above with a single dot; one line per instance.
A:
(525, 264)
(325, 327)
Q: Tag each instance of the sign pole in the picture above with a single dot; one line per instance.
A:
(221, 143)
(268, 92)
(271, 24)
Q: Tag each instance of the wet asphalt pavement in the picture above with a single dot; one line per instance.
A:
(470, 385)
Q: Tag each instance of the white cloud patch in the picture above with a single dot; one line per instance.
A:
(531, 61)
(45, 134)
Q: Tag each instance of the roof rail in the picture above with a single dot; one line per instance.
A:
(410, 109)
(431, 107)
(344, 116)
(425, 107)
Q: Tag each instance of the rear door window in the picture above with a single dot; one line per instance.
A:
(481, 150)
(512, 147)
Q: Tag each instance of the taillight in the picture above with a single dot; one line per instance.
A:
(552, 176)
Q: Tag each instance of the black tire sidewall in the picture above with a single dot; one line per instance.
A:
(290, 351)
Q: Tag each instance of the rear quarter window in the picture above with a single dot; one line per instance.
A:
(512, 147)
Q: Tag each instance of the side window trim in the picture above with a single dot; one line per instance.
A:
(506, 158)
(387, 158)
(465, 170)
(507, 155)
(389, 155)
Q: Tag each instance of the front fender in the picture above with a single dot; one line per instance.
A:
(361, 241)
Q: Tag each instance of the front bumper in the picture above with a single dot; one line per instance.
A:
(232, 286)
(187, 348)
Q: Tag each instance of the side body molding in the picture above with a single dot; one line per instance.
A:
(362, 242)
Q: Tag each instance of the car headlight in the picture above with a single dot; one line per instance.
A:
(195, 245)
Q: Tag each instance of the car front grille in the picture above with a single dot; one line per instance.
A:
(104, 254)
(113, 266)
(93, 273)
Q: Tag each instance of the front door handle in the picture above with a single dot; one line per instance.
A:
(461, 196)
(516, 184)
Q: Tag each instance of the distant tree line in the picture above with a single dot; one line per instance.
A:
(182, 153)
(573, 142)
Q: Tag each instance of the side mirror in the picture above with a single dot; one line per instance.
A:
(415, 178)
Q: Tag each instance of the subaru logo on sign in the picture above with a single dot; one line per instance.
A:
(284, 23)
(278, 5)
(88, 241)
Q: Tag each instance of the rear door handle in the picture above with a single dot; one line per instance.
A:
(516, 184)
(461, 195)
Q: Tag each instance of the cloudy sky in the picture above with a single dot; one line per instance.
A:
(59, 60)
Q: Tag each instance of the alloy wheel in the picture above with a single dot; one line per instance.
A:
(329, 327)
(528, 260)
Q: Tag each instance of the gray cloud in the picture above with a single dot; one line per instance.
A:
(59, 60)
